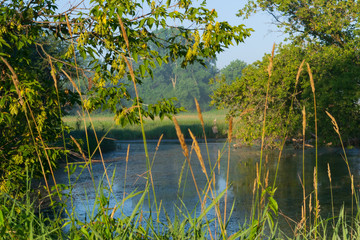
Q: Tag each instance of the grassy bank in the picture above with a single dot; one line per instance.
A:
(104, 125)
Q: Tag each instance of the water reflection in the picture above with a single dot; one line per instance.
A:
(169, 164)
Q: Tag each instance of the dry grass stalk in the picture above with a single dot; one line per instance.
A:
(303, 215)
(126, 165)
(68, 24)
(302, 222)
(352, 185)
(158, 212)
(310, 206)
(299, 72)
(267, 179)
(303, 163)
(186, 154)
(23, 104)
(158, 144)
(311, 78)
(113, 212)
(124, 32)
(72, 82)
(329, 173)
(79, 147)
(317, 205)
(257, 173)
(52, 72)
(304, 120)
(218, 160)
(203, 168)
(228, 165)
(333, 121)
(315, 181)
(181, 138)
(270, 66)
(254, 186)
(332, 201)
(230, 129)
(92, 125)
(141, 217)
(199, 113)
(15, 79)
(198, 154)
(266, 159)
(214, 181)
(127, 153)
(203, 128)
(246, 111)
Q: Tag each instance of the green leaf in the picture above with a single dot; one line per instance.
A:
(150, 22)
(142, 70)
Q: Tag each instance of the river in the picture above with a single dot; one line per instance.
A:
(167, 167)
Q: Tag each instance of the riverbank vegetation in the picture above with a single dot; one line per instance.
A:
(214, 123)
(118, 45)
(321, 34)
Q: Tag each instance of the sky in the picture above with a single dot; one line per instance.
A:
(254, 47)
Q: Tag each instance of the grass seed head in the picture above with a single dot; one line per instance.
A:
(333, 121)
(329, 172)
(198, 153)
(199, 112)
(158, 144)
(181, 138)
(304, 120)
(315, 180)
(311, 78)
(230, 129)
(270, 66)
(267, 179)
(299, 72)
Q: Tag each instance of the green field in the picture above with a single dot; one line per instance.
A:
(105, 126)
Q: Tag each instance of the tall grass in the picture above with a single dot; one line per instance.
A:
(21, 218)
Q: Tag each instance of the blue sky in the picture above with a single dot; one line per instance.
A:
(260, 42)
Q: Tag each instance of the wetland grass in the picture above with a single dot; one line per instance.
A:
(106, 129)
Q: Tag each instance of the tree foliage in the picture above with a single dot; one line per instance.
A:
(115, 37)
(233, 71)
(171, 79)
(226, 77)
(336, 82)
(29, 95)
(325, 35)
(327, 22)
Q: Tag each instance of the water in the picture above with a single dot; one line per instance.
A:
(167, 167)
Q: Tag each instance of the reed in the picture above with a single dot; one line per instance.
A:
(303, 166)
(353, 195)
(331, 193)
(312, 84)
(228, 165)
